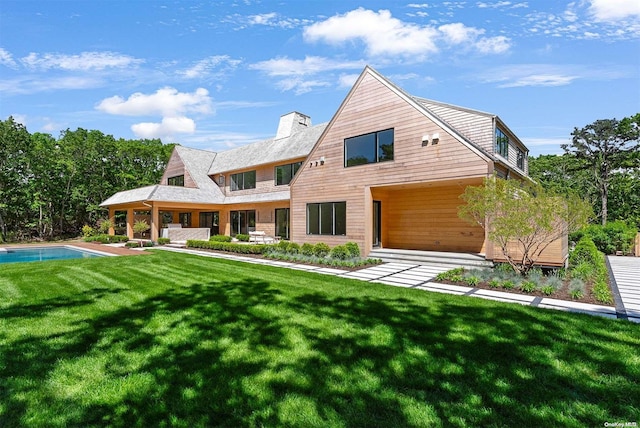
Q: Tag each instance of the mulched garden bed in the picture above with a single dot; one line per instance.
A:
(298, 262)
(561, 294)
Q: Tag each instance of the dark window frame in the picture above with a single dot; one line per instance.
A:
(520, 160)
(320, 212)
(502, 143)
(292, 170)
(250, 219)
(239, 181)
(177, 180)
(360, 142)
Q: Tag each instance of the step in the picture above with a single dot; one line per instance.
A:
(436, 258)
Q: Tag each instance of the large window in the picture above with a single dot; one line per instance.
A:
(502, 143)
(243, 222)
(328, 218)
(369, 148)
(282, 223)
(178, 180)
(520, 160)
(243, 180)
(285, 173)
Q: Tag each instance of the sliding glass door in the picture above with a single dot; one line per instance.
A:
(243, 222)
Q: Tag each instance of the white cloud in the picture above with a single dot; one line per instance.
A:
(166, 101)
(310, 65)
(493, 45)
(380, 32)
(167, 128)
(347, 80)
(384, 35)
(300, 86)
(214, 66)
(86, 61)
(6, 59)
(612, 10)
(459, 33)
(540, 80)
(30, 85)
(532, 75)
(300, 76)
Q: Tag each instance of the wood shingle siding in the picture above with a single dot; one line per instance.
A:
(373, 106)
(175, 167)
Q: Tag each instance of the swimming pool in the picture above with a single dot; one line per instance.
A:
(18, 255)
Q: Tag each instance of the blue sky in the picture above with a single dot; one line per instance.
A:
(219, 74)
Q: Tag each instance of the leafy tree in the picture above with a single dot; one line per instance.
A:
(522, 218)
(603, 147)
(51, 187)
(15, 173)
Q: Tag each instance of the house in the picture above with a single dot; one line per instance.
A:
(386, 171)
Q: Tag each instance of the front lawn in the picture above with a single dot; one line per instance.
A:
(178, 340)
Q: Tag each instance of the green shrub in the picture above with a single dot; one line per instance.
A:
(220, 238)
(88, 231)
(585, 251)
(504, 268)
(471, 280)
(453, 275)
(282, 246)
(163, 241)
(230, 247)
(547, 290)
(583, 271)
(353, 249)
(554, 282)
(339, 252)
(106, 239)
(576, 288)
(508, 285)
(321, 250)
(494, 282)
(293, 248)
(307, 249)
(242, 237)
(614, 236)
(528, 286)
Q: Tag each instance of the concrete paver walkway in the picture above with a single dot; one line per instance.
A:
(421, 277)
(626, 273)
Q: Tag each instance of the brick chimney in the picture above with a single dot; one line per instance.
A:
(291, 123)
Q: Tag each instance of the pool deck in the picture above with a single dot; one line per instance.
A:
(89, 246)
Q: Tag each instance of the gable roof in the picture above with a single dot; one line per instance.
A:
(197, 163)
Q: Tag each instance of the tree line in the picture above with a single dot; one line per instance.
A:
(601, 165)
(51, 187)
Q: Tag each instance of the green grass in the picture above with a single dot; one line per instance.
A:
(176, 340)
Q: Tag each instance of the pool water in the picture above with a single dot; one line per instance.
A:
(18, 255)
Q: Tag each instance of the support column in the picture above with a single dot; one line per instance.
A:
(155, 221)
(367, 245)
(130, 223)
(112, 217)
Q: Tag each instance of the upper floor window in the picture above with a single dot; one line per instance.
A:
(178, 180)
(285, 173)
(243, 180)
(502, 143)
(520, 159)
(369, 148)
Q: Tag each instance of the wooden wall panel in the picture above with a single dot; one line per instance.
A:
(374, 107)
(175, 167)
(265, 180)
